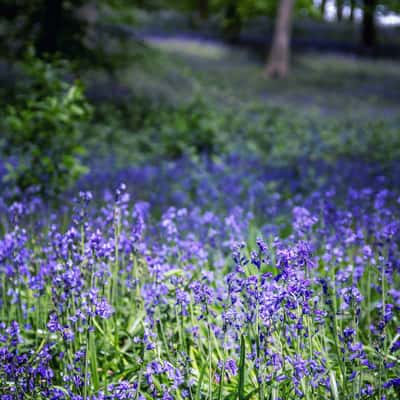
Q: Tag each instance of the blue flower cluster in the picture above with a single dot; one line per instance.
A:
(212, 285)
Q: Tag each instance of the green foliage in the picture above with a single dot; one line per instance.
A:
(43, 129)
(192, 128)
(141, 129)
(246, 8)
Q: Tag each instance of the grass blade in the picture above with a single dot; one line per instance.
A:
(198, 390)
(242, 361)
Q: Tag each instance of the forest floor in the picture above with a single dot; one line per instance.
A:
(333, 105)
(330, 85)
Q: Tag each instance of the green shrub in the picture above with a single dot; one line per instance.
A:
(142, 129)
(42, 141)
(193, 128)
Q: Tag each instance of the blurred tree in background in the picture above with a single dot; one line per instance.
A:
(204, 8)
(278, 64)
(368, 24)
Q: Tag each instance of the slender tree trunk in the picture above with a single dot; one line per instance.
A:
(339, 10)
(322, 7)
(9, 11)
(203, 7)
(47, 41)
(352, 9)
(233, 22)
(368, 24)
(278, 62)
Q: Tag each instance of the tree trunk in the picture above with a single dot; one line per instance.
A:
(322, 8)
(368, 24)
(352, 9)
(203, 8)
(233, 22)
(339, 10)
(278, 62)
(50, 27)
(9, 11)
